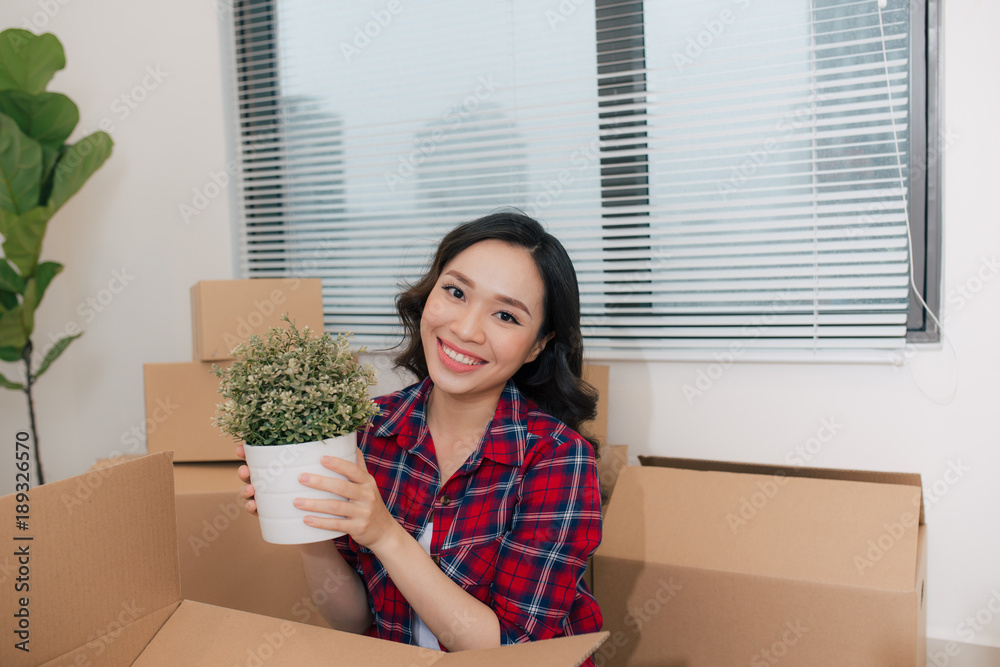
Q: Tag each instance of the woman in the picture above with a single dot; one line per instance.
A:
(474, 502)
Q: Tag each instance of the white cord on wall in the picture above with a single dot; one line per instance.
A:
(950, 396)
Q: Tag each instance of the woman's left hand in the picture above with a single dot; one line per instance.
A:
(366, 518)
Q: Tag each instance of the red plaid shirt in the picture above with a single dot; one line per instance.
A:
(514, 526)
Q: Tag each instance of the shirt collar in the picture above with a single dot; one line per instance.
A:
(505, 439)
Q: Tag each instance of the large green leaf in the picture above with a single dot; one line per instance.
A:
(54, 353)
(34, 290)
(76, 165)
(20, 168)
(12, 329)
(48, 118)
(8, 300)
(9, 280)
(4, 382)
(24, 235)
(28, 61)
(10, 354)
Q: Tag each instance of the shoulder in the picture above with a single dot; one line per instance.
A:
(549, 438)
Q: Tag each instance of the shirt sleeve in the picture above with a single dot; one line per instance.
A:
(556, 526)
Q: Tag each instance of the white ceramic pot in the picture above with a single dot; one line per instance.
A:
(274, 473)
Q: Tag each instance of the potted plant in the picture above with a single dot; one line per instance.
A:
(39, 173)
(292, 398)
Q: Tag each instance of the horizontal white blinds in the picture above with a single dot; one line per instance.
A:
(720, 171)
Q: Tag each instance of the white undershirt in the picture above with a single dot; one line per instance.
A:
(421, 632)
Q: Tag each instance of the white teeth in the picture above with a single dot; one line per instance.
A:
(460, 358)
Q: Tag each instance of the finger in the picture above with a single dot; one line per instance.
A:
(330, 484)
(248, 491)
(240, 452)
(341, 508)
(244, 473)
(251, 506)
(352, 471)
(327, 523)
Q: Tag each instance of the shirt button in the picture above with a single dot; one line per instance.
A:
(445, 501)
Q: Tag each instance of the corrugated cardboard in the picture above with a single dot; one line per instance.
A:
(224, 313)
(180, 405)
(104, 589)
(598, 375)
(706, 564)
(222, 553)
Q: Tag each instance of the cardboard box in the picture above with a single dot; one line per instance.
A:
(102, 587)
(180, 405)
(224, 313)
(222, 552)
(598, 375)
(707, 564)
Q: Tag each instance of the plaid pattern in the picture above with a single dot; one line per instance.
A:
(514, 526)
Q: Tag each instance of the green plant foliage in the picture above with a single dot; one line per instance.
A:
(39, 173)
(294, 387)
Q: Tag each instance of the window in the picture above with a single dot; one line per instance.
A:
(726, 174)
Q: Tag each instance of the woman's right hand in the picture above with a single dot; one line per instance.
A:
(247, 491)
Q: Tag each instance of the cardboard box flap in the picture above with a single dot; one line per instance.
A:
(121, 645)
(838, 532)
(111, 531)
(201, 634)
(873, 476)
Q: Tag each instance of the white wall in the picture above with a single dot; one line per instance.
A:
(885, 418)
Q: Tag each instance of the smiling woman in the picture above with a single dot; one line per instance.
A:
(474, 503)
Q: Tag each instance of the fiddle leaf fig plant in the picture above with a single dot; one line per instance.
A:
(39, 173)
(294, 387)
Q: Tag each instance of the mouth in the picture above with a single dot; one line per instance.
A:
(458, 357)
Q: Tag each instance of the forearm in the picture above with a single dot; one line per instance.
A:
(459, 620)
(345, 603)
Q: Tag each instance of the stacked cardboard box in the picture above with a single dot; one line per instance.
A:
(221, 551)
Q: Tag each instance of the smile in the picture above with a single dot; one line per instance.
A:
(459, 357)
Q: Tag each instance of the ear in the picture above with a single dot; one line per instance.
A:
(539, 346)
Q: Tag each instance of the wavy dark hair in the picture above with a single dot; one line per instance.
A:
(553, 380)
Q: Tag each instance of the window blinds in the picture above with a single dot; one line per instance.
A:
(726, 174)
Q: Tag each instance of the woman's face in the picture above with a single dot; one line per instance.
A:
(481, 320)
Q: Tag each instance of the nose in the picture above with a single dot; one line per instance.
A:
(467, 325)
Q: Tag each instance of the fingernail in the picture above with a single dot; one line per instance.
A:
(298, 502)
(327, 459)
(304, 477)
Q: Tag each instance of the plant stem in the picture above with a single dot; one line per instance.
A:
(29, 381)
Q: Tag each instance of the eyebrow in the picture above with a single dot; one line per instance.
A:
(510, 301)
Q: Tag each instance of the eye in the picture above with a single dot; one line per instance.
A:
(458, 294)
(509, 317)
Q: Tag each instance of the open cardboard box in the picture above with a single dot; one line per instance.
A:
(101, 586)
(707, 563)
